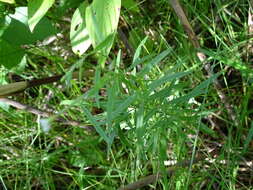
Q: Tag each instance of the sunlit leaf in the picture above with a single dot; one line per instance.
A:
(19, 28)
(4, 23)
(36, 10)
(15, 32)
(101, 21)
(8, 1)
(79, 37)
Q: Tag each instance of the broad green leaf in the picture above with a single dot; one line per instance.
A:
(4, 23)
(8, 1)
(36, 10)
(104, 43)
(101, 21)
(16, 32)
(19, 28)
(79, 37)
(131, 5)
(20, 15)
(10, 55)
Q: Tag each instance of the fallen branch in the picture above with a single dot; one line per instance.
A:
(202, 57)
(45, 114)
(17, 87)
(126, 43)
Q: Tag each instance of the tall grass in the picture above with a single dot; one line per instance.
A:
(145, 111)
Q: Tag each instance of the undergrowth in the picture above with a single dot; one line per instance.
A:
(143, 111)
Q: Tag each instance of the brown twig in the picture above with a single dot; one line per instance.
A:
(202, 57)
(38, 112)
(126, 43)
(16, 87)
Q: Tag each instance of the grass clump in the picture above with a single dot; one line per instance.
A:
(142, 112)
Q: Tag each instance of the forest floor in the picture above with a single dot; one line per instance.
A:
(171, 109)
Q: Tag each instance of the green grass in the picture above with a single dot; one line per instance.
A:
(144, 110)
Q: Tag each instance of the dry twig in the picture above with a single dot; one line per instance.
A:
(125, 41)
(202, 57)
(45, 114)
(17, 87)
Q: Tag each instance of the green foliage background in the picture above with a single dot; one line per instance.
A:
(144, 107)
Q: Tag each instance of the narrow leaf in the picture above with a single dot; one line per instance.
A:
(154, 62)
(125, 104)
(167, 78)
(138, 50)
(249, 138)
(200, 89)
(93, 121)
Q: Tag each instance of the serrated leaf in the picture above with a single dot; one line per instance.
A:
(36, 10)
(79, 36)
(101, 21)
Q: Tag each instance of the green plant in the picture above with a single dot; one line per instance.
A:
(148, 113)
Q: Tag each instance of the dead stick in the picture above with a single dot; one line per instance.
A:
(38, 112)
(125, 41)
(202, 57)
(16, 87)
